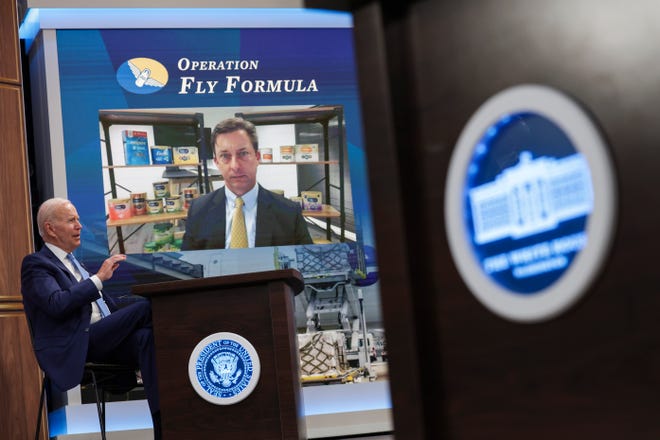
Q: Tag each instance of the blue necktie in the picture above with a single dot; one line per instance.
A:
(103, 307)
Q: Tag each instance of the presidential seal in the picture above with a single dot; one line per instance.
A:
(224, 368)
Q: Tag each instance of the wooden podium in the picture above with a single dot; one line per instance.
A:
(260, 308)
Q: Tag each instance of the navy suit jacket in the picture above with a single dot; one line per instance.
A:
(279, 222)
(59, 309)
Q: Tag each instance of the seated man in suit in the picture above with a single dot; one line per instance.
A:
(72, 322)
(270, 219)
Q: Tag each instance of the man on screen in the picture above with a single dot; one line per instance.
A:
(214, 219)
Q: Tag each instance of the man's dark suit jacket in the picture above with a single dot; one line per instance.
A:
(279, 222)
(59, 309)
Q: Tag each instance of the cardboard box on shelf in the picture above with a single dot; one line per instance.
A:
(185, 155)
(312, 200)
(136, 147)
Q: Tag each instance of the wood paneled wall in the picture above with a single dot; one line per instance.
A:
(20, 378)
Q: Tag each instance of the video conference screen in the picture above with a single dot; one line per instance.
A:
(139, 160)
(138, 111)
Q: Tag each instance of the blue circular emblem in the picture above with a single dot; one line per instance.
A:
(224, 368)
(530, 203)
(527, 201)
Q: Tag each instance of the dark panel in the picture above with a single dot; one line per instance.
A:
(592, 372)
(396, 253)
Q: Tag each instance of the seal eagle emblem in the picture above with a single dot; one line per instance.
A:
(224, 368)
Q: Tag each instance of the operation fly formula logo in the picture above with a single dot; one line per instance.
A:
(142, 76)
(208, 77)
(224, 368)
(204, 77)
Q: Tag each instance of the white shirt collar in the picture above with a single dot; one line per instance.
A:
(62, 256)
(249, 198)
(59, 253)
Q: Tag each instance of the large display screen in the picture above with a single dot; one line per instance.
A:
(138, 107)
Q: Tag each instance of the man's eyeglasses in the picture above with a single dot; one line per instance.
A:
(242, 156)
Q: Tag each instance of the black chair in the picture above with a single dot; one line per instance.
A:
(104, 379)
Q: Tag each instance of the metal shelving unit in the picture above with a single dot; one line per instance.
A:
(321, 115)
(107, 118)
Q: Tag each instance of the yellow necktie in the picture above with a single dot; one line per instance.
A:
(238, 232)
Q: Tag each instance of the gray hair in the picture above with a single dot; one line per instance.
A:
(47, 212)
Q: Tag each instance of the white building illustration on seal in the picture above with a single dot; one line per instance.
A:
(532, 196)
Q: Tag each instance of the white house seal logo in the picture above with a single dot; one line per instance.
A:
(224, 368)
(530, 202)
